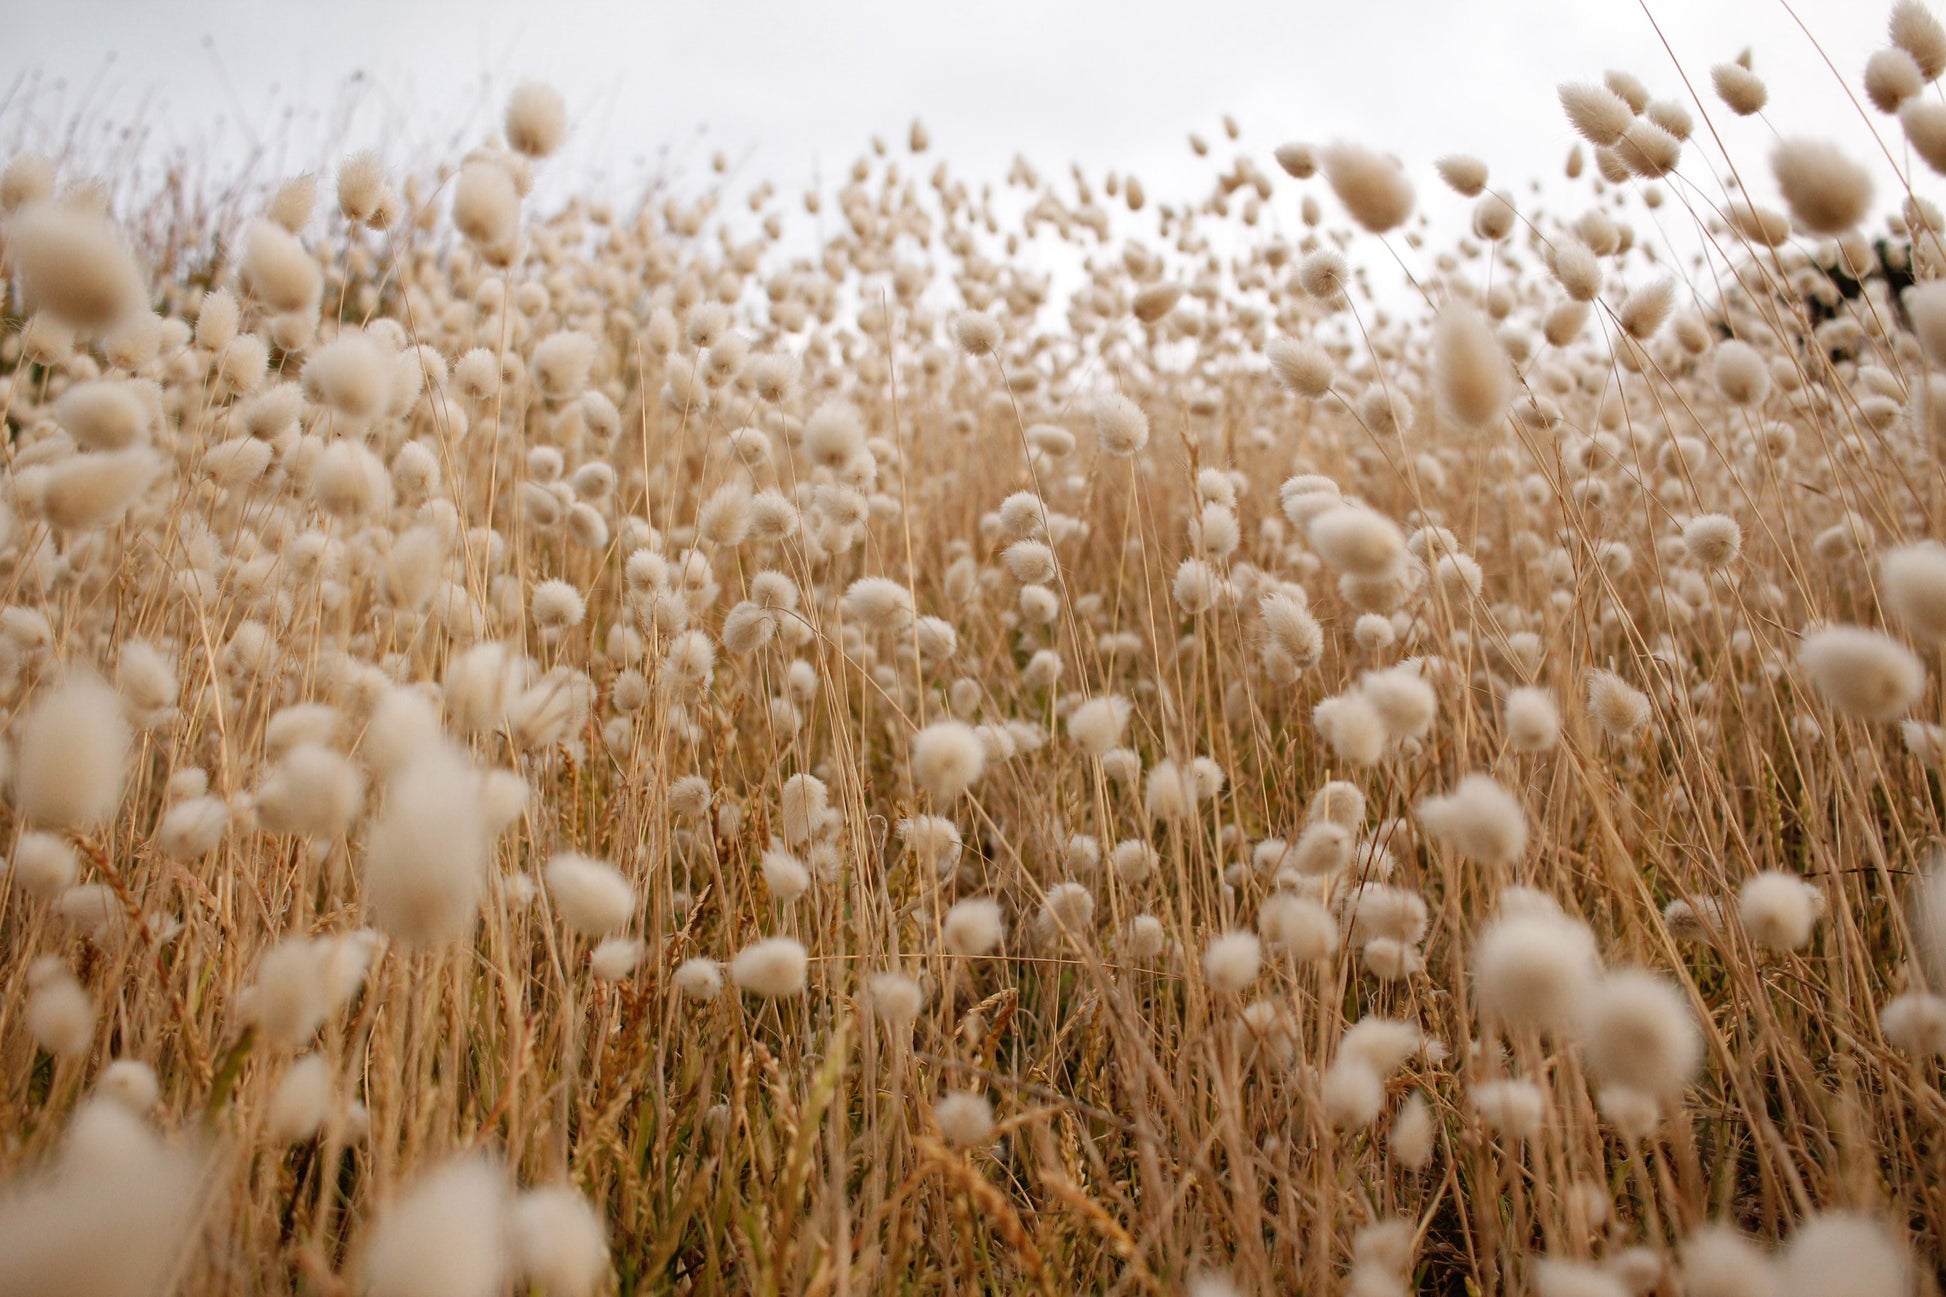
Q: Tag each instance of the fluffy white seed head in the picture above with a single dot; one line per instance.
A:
(1915, 1023)
(1299, 927)
(1618, 709)
(1913, 29)
(973, 926)
(1720, 1261)
(426, 852)
(1861, 672)
(1913, 580)
(785, 876)
(1232, 961)
(131, 1083)
(1845, 1252)
(1531, 970)
(964, 1118)
(1120, 426)
(1510, 1109)
(536, 120)
(301, 1101)
(1414, 1133)
(71, 754)
(1712, 539)
(1638, 1033)
(1098, 725)
(446, 1234)
(1533, 722)
(1827, 192)
(591, 896)
(1778, 910)
(1479, 819)
(1467, 175)
(44, 865)
(977, 333)
(1301, 367)
(773, 968)
(60, 1015)
(947, 759)
(103, 415)
(1356, 540)
(112, 1216)
(1471, 376)
(1742, 91)
(85, 492)
(559, 1242)
(615, 958)
(896, 998)
(1597, 113)
(1372, 186)
(486, 210)
(75, 266)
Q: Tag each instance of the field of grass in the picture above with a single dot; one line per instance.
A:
(588, 748)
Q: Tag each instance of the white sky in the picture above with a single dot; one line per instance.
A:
(790, 89)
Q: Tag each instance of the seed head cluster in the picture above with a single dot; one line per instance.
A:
(553, 744)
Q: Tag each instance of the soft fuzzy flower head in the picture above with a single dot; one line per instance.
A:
(1638, 1033)
(1740, 89)
(977, 333)
(557, 605)
(1778, 910)
(1533, 722)
(896, 998)
(1861, 672)
(426, 852)
(71, 754)
(1826, 191)
(1597, 113)
(1913, 29)
(486, 210)
(536, 120)
(351, 374)
(772, 968)
(112, 1214)
(1358, 541)
(1619, 709)
(964, 1118)
(1845, 1252)
(1471, 376)
(1712, 539)
(1531, 969)
(75, 266)
(1120, 426)
(1098, 725)
(1231, 962)
(1301, 367)
(1170, 792)
(446, 1234)
(1913, 580)
(59, 1015)
(103, 415)
(973, 926)
(1479, 819)
(948, 758)
(559, 1242)
(1372, 186)
(86, 492)
(878, 604)
(1510, 1109)
(591, 896)
(698, 978)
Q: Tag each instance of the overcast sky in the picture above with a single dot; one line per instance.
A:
(793, 90)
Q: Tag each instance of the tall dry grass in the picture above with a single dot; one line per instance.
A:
(487, 535)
